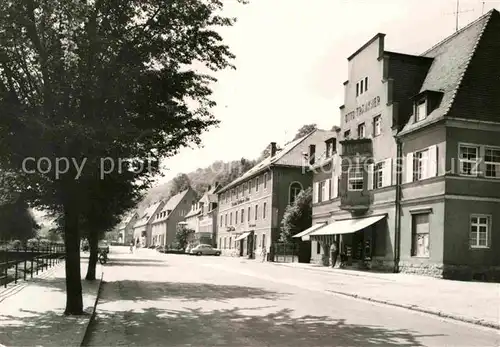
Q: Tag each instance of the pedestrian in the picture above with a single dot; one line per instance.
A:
(263, 253)
(333, 253)
(131, 247)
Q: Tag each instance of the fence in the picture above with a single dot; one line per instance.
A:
(19, 260)
(285, 252)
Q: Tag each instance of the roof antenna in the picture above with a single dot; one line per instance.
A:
(482, 12)
(457, 13)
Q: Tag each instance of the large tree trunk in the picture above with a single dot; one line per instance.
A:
(74, 301)
(93, 247)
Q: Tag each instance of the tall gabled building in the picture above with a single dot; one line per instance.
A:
(419, 183)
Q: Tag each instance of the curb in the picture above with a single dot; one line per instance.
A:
(86, 333)
(408, 307)
(422, 310)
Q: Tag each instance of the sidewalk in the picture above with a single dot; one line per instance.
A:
(31, 312)
(472, 302)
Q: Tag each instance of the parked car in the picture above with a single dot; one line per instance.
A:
(205, 250)
(103, 246)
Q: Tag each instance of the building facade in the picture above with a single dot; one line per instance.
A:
(126, 228)
(143, 227)
(207, 219)
(419, 168)
(251, 207)
(164, 224)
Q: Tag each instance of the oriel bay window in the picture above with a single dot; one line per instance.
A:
(355, 178)
(492, 162)
(468, 160)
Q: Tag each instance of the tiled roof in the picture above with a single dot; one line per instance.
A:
(278, 159)
(147, 215)
(193, 213)
(172, 204)
(126, 220)
(451, 60)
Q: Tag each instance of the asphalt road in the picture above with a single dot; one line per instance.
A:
(152, 299)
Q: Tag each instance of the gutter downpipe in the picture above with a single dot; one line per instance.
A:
(397, 231)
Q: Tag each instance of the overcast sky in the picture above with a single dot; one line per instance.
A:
(292, 60)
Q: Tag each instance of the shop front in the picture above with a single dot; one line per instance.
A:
(246, 245)
(354, 240)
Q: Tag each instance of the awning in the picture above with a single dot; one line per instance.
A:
(305, 233)
(347, 226)
(242, 236)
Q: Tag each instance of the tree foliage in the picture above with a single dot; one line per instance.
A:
(182, 236)
(17, 221)
(180, 183)
(298, 216)
(87, 80)
(304, 130)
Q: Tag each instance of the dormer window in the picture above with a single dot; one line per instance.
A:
(420, 110)
(347, 134)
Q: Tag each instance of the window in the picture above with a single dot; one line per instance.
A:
(377, 125)
(330, 148)
(225, 220)
(420, 110)
(265, 180)
(480, 226)
(242, 215)
(264, 240)
(322, 191)
(256, 211)
(355, 178)
(230, 242)
(295, 189)
(249, 187)
(420, 165)
(231, 218)
(221, 220)
(492, 161)
(468, 160)
(237, 192)
(248, 217)
(361, 130)
(257, 184)
(225, 239)
(357, 89)
(347, 134)
(264, 211)
(236, 217)
(420, 235)
(378, 170)
(254, 242)
(361, 87)
(366, 84)
(318, 247)
(220, 241)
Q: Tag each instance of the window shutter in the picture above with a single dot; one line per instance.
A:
(387, 174)
(370, 176)
(328, 190)
(432, 162)
(315, 192)
(409, 167)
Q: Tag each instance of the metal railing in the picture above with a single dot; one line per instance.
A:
(285, 252)
(19, 260)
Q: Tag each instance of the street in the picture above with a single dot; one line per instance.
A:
(153, 299)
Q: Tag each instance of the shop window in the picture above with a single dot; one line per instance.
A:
(420, 235)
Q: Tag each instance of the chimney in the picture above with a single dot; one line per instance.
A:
(273, 149)
(312, 152)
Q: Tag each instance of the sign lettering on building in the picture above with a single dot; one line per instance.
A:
(240, 201)
(367, 106)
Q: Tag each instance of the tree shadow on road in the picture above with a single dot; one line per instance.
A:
(238, 327)
(183, 291)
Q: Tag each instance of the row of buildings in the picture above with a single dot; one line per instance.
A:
(409, 182)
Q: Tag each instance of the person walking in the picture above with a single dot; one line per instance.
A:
(333, 253)
(131, 247)
(263, 253)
